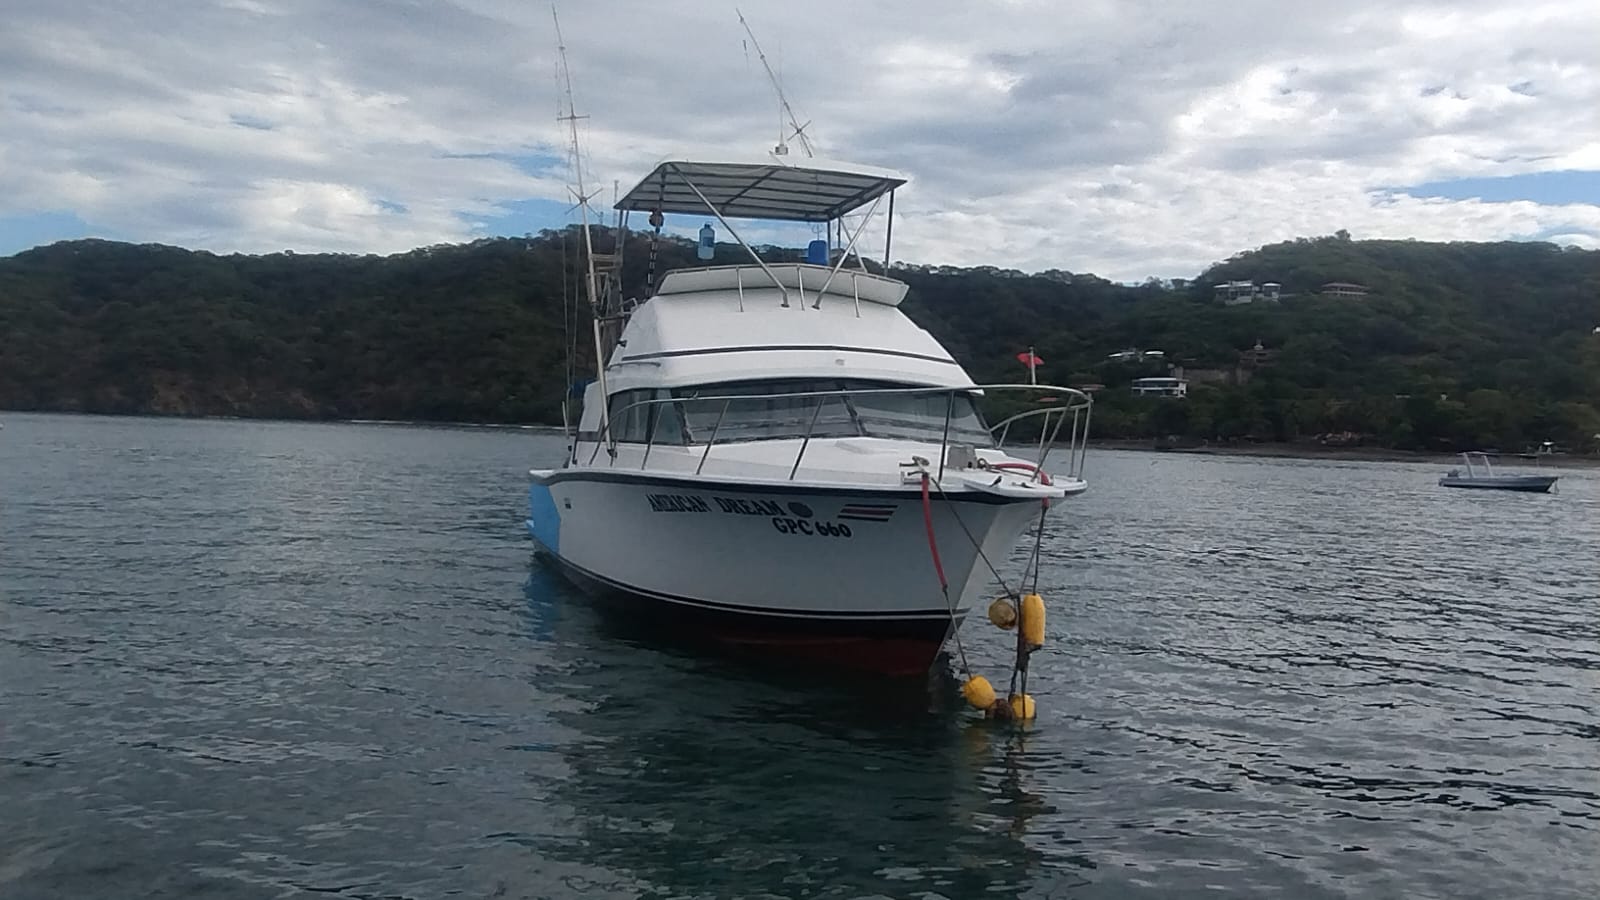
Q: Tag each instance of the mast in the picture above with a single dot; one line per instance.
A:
(597, 313)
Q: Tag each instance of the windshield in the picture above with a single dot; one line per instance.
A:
(753, 416)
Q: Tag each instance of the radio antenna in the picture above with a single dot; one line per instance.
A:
(783, 102)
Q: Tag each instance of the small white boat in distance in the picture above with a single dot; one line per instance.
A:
(1484, 477)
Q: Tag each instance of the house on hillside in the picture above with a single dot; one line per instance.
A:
(1164, 386)
(1257, 357)
(1344, 289)
(1252, 361)
(1132, 356)
(1248, 363)
(1234, 293)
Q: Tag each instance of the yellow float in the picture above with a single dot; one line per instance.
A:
(1033, 620)
(1022, 706)
(979, 692)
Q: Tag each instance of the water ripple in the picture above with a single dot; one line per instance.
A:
(270, 660)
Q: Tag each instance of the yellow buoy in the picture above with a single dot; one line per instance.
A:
(1022, 706)
(1033, 619)
(979, 692)
(1003, 614)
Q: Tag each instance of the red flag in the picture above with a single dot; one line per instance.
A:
(1028, 358)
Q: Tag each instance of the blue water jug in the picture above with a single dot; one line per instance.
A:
(708, 242)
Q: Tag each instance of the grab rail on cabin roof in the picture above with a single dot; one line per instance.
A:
(831, 286)
(1079, 404)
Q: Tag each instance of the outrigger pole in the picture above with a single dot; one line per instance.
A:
(597, 313)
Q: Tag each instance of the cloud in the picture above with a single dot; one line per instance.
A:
(1127, 138)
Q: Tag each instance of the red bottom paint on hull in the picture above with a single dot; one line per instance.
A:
(894, 657)
(898, 648)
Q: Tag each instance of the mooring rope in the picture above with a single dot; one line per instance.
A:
(1019, 667)
(938, 567)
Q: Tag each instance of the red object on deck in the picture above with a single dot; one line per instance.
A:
(1044, 477)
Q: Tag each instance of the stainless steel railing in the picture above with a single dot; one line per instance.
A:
(1076, 408)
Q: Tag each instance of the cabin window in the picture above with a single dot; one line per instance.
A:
(634, 419)
(752, 417)
(668, 421)
(921, 416)
(753, 414)
(630, 417)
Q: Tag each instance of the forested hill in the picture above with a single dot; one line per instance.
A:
(1432, 345)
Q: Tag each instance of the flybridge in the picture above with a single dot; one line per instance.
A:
(776, 189)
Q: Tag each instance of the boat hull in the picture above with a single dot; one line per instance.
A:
(901, 647)
(1528, 484)
(825, 574)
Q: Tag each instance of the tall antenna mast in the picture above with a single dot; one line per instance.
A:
(571, 118)
(783, 102)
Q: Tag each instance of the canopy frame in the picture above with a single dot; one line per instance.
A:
(774, 190)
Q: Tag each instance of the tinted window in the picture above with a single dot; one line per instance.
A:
(634, 419)
(911, 416)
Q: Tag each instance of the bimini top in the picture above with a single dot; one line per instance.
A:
(779, 188)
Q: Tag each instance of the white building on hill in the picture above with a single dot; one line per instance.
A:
(1166, 386)
(1234, 293)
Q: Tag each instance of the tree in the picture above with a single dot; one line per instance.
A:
(1454, 345)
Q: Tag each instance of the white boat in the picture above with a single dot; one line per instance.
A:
(1484, 477)
(773, 452)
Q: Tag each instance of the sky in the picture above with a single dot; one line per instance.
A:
(1129, 139)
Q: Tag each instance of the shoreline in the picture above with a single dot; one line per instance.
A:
(1347, 454)
(296, 420)
(1265, 450)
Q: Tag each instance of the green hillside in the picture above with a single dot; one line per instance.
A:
(1452, 345)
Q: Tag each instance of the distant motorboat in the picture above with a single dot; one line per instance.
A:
(1548, 448)
(1484, 477)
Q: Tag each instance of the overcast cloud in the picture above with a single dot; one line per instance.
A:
(1123, 138)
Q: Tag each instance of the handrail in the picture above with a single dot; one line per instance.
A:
(1079, 404)
(944, 439)
(810, 427)
(710, 441)
(1004, 425)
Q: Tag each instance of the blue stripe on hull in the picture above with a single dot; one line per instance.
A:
(544, 520)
